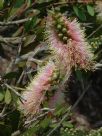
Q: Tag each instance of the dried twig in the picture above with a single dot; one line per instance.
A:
(59, 124)
(18, 88)
(98, 66)
(20, 78)
(16, 133)
(6, 114)
(38, 117)
(15, 22)
(3, 111)
(94, 31)
(13, 40)
(31, 54)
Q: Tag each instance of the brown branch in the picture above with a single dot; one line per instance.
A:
(15, 22)
(13, 40)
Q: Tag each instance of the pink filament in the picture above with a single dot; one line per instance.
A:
(35, 92)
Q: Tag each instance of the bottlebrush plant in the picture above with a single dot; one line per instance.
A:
(69, 49)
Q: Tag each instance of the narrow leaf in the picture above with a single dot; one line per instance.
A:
(90, 10)
(1, 95)
(7, 97)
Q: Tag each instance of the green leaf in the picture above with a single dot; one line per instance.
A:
(32, 130)
(45, 123)
(8, 97)
(53, 125)
(31, 24)
(1, 95)
(18, 3)
(29, 39)
(11, 75)
(75, 8)
(1, 4)
(60, 110)
(67, 124)
(90, 10)
(80, 13)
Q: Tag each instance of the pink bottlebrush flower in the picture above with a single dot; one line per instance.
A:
(81, 54)
(75, 52)
(74, 30)
(35, 92)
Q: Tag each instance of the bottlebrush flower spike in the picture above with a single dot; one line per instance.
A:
(79, 49)
(68, 42)
(35, 92)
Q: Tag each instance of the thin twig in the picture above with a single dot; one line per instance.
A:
(37, 61)
(13, 40)
(18, 88)
(16, 133)
(98, 66)
(59, 124)
(35, 119)
(81, 96)
(3, 111)
(10, 66)
(6, 114)
(15, 22)
(94, 31)
(21, 76)
(30, 54)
